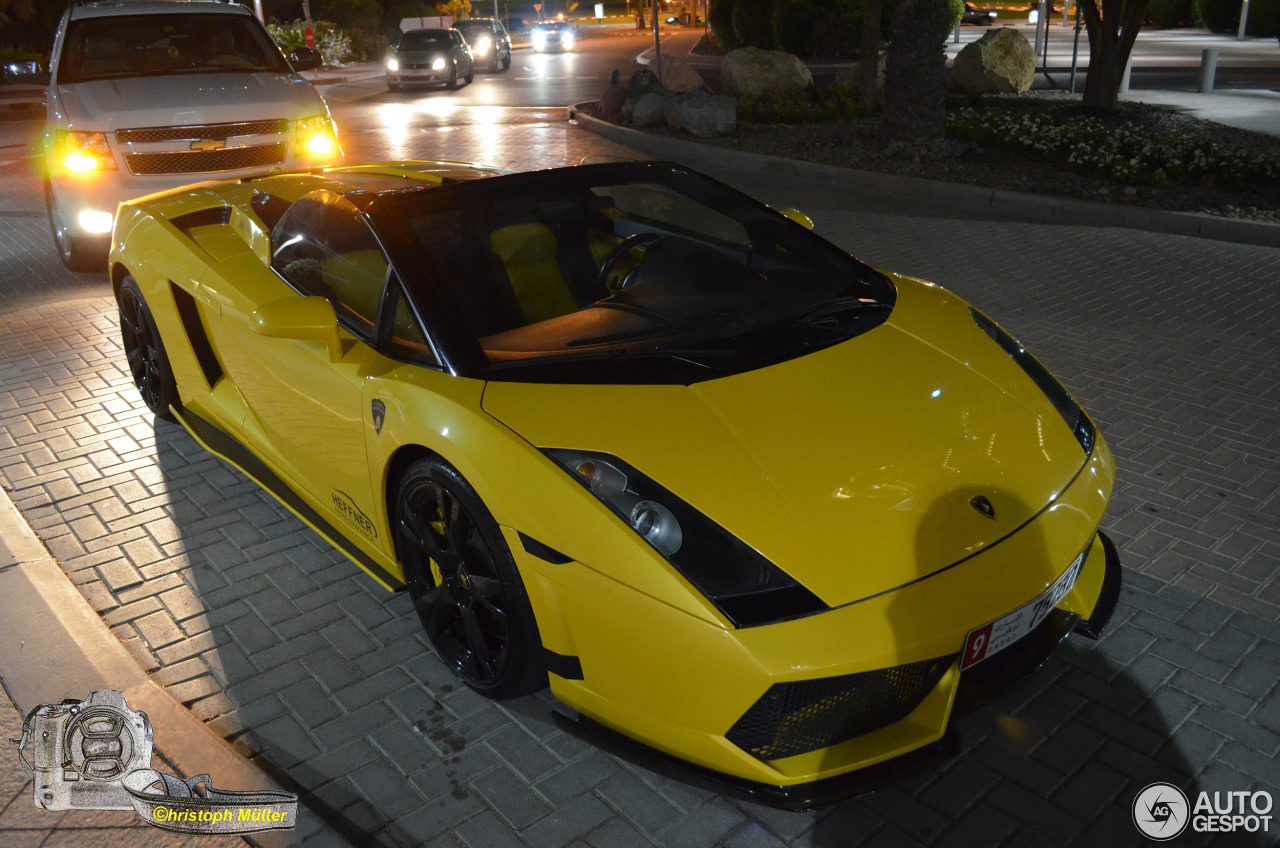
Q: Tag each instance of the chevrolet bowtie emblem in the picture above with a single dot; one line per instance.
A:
(209, 144)
(983, 506)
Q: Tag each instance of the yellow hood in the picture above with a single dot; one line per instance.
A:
(852, 468)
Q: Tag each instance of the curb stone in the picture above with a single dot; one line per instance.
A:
(936, 196)
(53, 645)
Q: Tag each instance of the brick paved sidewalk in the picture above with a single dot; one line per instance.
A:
(289, 650)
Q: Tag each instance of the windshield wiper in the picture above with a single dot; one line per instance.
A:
(828, 315)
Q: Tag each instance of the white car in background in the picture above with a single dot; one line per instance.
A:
(147, 96)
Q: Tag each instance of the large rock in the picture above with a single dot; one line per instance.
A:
(650, 110)
(851, 77)
(1001, 62)
(642, 82)
(750, 70)
(610, 107)
(703, 114)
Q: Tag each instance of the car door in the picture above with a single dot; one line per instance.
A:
(304, 399)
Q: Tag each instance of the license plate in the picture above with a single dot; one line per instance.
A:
(997, 635)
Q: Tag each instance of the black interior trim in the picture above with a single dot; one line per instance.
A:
(562, 665)
(196, 334)
(541, 551)
(228, 447)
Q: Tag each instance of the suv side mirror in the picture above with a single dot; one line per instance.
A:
(305, 59)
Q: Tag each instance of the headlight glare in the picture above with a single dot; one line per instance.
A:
(393, 64)
(438, 64)
(83, 151)
(483, 45)
(746, 587)
(317, 136)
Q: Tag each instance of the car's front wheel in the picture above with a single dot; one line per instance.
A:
(453, 76)
(144, 351)
(464, 583)
(506, 61)
(76, 252)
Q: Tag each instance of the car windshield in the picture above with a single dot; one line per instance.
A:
(426, 39)
(473, 27)
(543, 274)
(157, 45)
(552, 26)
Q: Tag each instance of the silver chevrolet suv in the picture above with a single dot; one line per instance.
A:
(147, 96)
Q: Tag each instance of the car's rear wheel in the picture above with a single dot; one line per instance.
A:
(76, 252)
(144, 351)
(464, 583)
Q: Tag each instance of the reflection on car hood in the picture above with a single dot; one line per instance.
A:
(186, 99)
(852, 468)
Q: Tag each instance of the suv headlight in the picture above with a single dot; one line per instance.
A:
(749, 589)
(482, 45)
(1061, 399)
(393, 64)
(438, 64)
(317, 136)
(83, 151)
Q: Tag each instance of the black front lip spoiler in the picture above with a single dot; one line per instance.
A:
(978, 685)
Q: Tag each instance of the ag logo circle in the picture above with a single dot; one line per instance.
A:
(1160, 811)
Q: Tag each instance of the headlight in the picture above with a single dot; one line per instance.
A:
(539, 39)
(83, 151)
(438, 64)
(746, 587)
(567, 39)
(393, 64)
(93, 221)
(1061, 399)
(317, 136)
(483, 45)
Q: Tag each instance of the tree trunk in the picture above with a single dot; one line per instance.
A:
(915, 79)
(1112, 31)
(869, 55)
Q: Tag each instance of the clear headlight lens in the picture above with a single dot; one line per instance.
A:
(317, 136)
(438, 64)
(483, 45)
(83, 151)
(567, 39)
(93, 221)
(539, 39)
(393, 64)
(1061, 399)
(746, 587)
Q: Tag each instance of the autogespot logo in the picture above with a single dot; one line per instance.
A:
(1160, 811)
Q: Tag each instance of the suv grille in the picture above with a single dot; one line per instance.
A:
(196, 133)
(200, 161)
(795, 718)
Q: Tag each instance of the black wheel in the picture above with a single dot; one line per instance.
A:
(144, 350)
(465, 585)
(76, 252)
(494, 64)
(506, 62)
(394, 86)
(471, 73)
(453, 76)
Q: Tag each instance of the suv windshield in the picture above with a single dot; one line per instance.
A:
(156, 45)
(660, 273)
(426, 39)
(469, 27)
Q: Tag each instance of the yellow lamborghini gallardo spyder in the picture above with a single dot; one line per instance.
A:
(753, 509)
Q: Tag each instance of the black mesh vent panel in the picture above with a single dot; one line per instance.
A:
(150, 134)
(201, 161)
(795, 718)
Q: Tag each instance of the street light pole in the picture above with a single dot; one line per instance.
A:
(657, 42)
(1244, 19)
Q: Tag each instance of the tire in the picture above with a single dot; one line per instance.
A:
(472, 604)
(506, 62)
(144, 350)
(494, 65)
(452, 84)
(76, 252)
(471, 73)
(394, 86)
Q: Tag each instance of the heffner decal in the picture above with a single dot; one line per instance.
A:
(344, 506)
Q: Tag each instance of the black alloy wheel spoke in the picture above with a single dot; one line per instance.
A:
(476, 643)
(484, 587)
(498, 617)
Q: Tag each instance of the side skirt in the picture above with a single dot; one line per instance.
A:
(226, 446)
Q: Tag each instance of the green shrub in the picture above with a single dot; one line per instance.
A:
(18, 54)
(1168, 14)
(813, 105)
(334, 44)
(720, 17)
(957, 12)
(753, 23)
(1218, 15)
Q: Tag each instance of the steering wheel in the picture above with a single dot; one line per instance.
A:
(617, 253)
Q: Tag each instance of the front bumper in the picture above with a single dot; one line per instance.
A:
(425, 77)
(678, 684)
(975, 687)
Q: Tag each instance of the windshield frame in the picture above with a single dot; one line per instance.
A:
(444, 36)
(390, 214)
(77, 26)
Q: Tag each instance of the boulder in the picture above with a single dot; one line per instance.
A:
(850, 77)
(650, 110)
(679, 77)
(1001, 62)
(610, 108)
(629, 108)
(750, 70)
(642, 82)
(703, 114)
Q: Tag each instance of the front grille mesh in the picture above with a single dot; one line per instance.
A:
(795, 718)
(150, 134)
(203, 161)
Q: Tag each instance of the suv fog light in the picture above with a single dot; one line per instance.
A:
(92, 221)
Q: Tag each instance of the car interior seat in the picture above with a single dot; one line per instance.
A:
(528, 255)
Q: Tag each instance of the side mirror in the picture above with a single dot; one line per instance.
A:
(308, 319)
(799, 217)
(306, 59)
